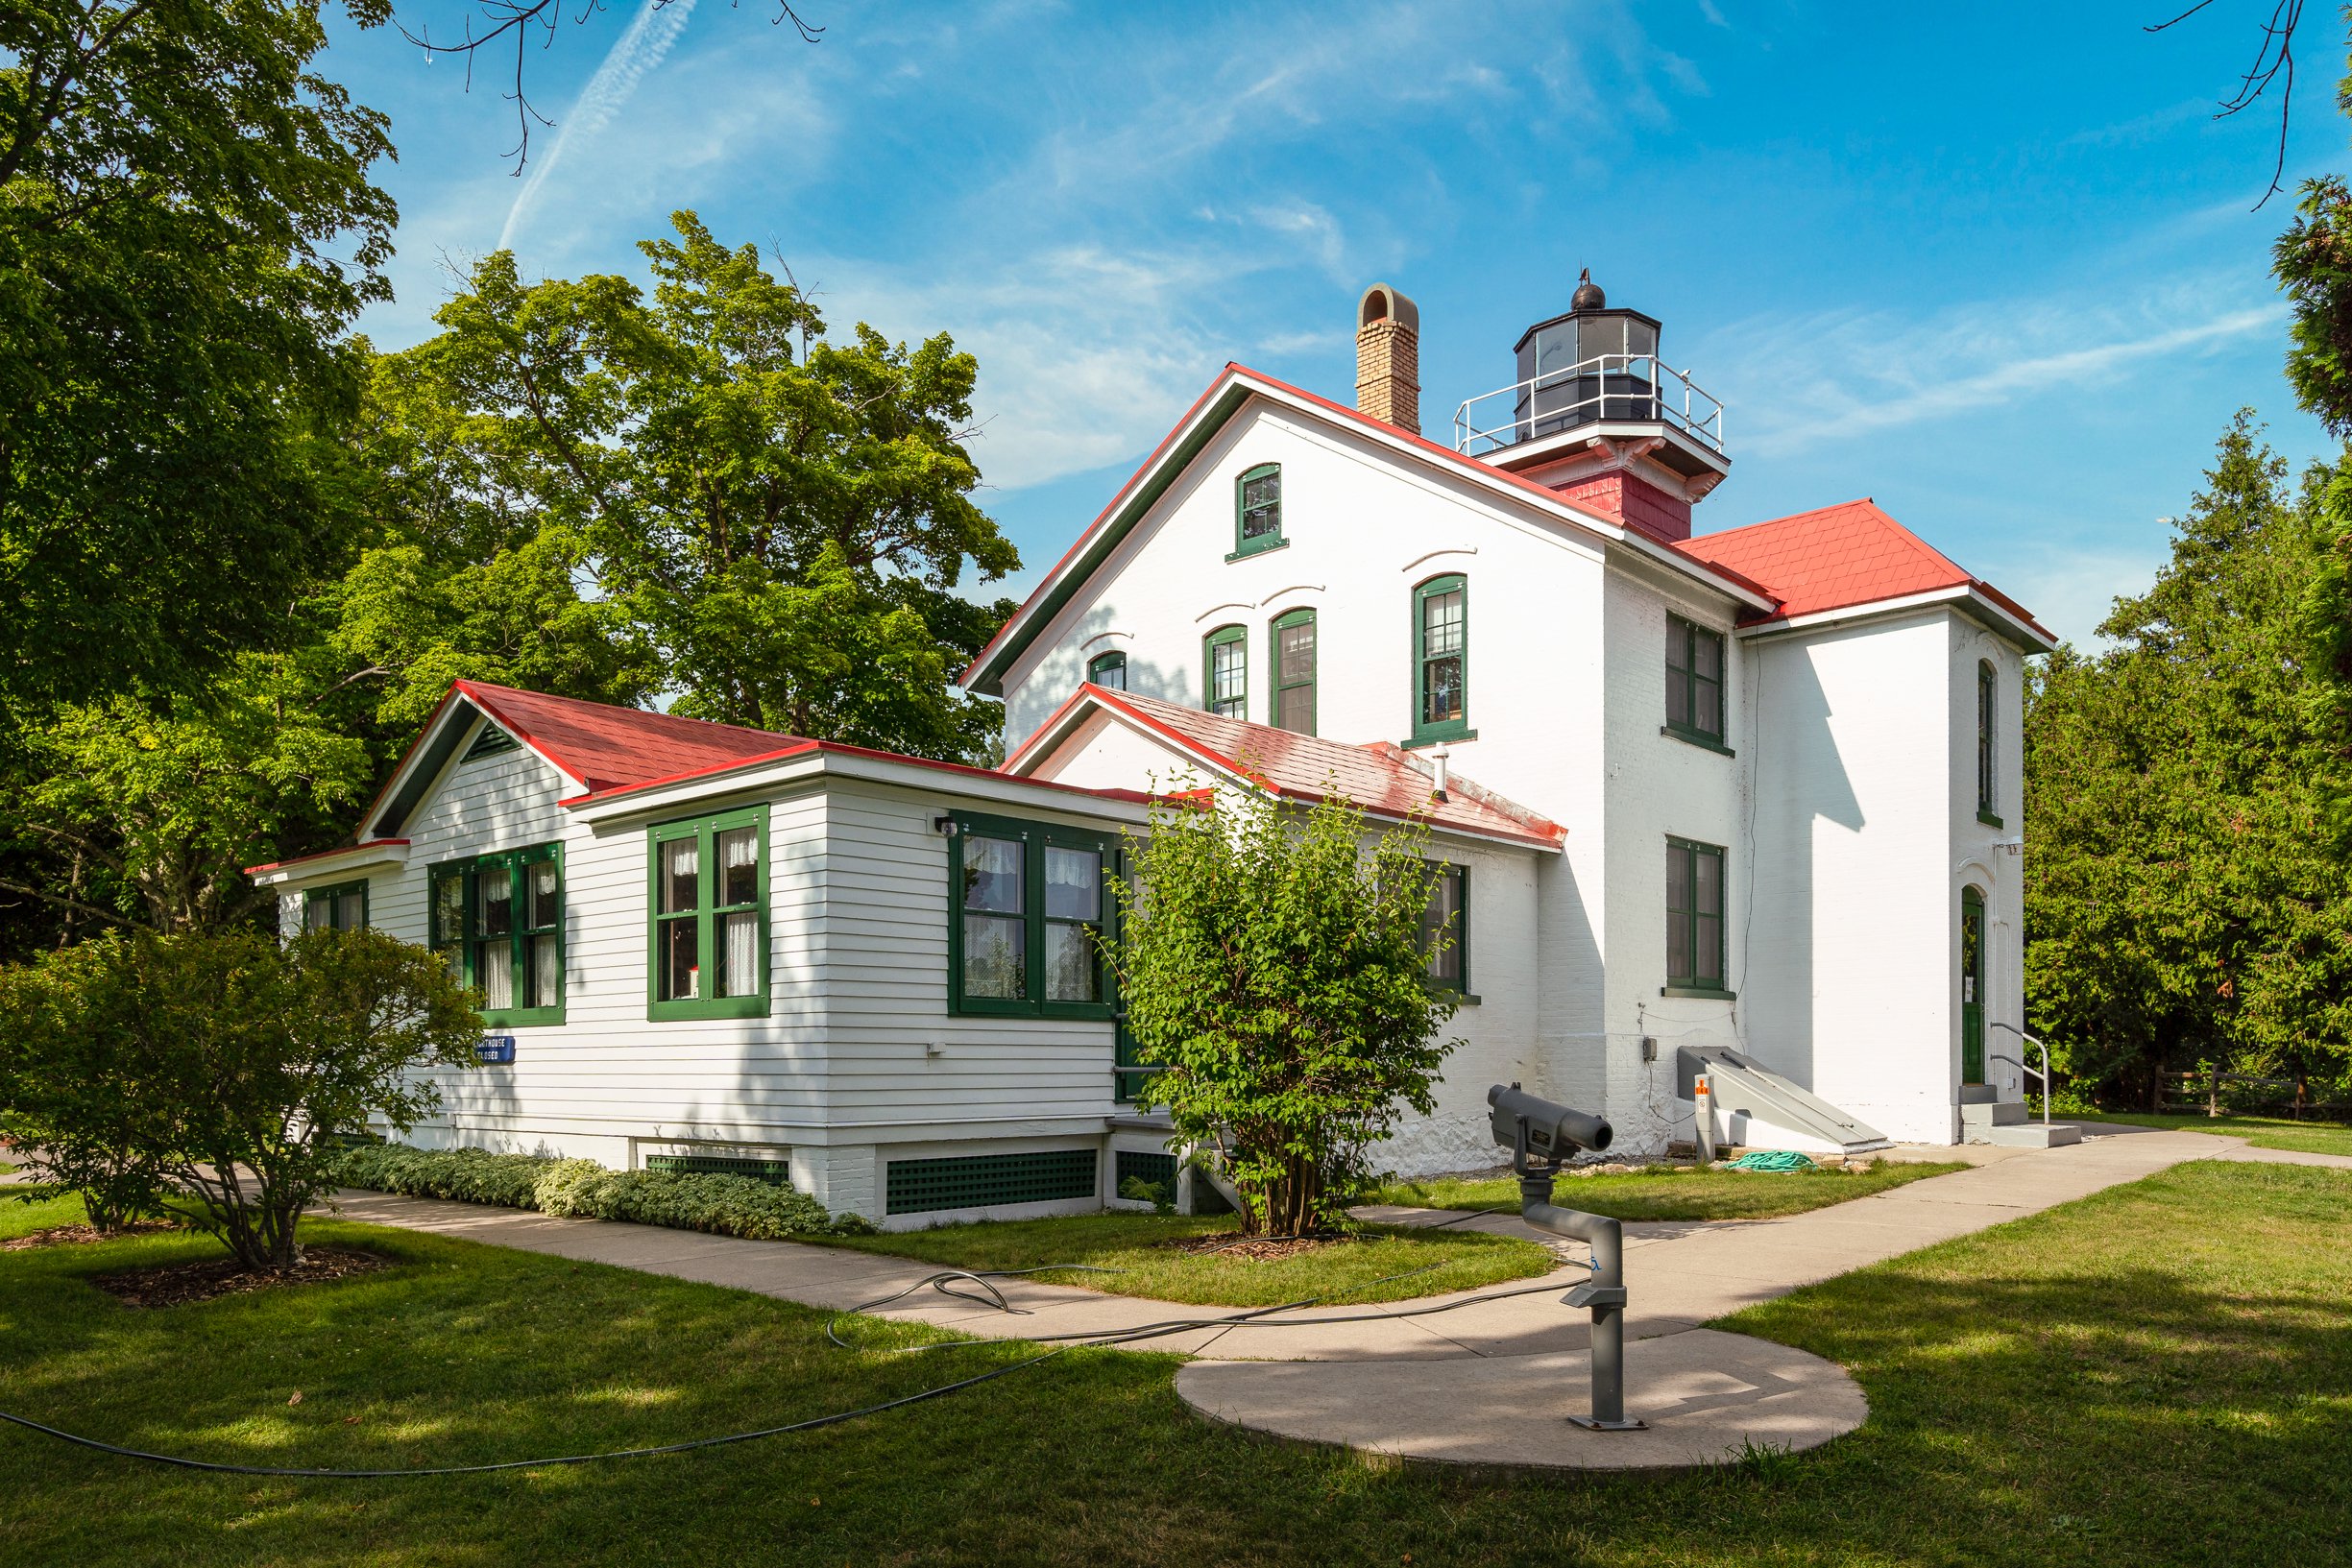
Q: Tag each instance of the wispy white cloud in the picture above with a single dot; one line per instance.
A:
(1801, 383)
(640, 48)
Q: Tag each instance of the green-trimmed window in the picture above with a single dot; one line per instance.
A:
(1446, 919)
(1988, 690)
(1108, 669)
(1257, 510)
(1224, 669)
(1031, 901)
(1694, 917)
(343, 908)
(1442, 659)
(1292, 657)
(709, 901)
(497, 920)
(1694, 680)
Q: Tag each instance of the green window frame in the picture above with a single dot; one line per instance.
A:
(1441, 660)
(342, 907)
(1290, 654)
(1696, 899)
(1988, 693)
(1447, 913)
(1257, 510)
(1225, 672)
(497, 920)
(1694, 683)
(1022, 930)
(705, 916)
(1108, 671)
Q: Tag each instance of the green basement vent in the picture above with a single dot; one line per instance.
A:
(774, 1173)
(984, 1180)
(1141, 1164)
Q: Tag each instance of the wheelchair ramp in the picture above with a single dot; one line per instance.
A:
(1743, 1085)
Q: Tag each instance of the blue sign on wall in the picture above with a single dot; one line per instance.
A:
(497, 1050)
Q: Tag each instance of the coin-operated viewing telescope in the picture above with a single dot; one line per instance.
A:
(1543, 1136)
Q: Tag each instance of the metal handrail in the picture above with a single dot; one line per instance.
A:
(2043, 1074)
(1700, 416)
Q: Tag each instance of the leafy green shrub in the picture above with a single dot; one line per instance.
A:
(720, 1204)
(1136, 1190)
(219, 1067)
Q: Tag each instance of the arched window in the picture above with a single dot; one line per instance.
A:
(1225, 668)
(1108, 669)
(1442, 659)
(1988, 689)
(1290, 656)
(1257, 510)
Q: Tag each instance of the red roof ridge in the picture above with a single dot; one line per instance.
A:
(1378, 777)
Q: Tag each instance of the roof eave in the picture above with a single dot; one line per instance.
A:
(1986, 603)
(304, 869)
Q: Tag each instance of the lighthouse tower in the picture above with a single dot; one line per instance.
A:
(1599, 416)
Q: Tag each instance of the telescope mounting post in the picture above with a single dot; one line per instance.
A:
(1604, 1294)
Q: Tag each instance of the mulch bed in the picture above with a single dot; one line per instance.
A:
(76, 1235)
(176, 1285)
(1257, 1248)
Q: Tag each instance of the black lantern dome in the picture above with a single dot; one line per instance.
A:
(1592, 366)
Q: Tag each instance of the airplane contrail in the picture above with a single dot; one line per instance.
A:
(633, 55)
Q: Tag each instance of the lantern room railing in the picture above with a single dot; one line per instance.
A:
(1605, 389)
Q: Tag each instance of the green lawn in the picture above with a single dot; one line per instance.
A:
(2262, 1131)
(2119, 1381)
(1667, 1193)
(1130, 1242)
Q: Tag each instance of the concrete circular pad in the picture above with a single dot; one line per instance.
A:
(1706, 1394)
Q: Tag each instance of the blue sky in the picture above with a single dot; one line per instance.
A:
(1991, 265)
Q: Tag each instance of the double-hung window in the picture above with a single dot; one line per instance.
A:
(1988, 689)
(341, 909)
(1695, 681)
(1108, 669)
(1257, 510)
(1445, 928)
(1031, 905)
(1225, 664)
(1293, 658)
(709, 917)
(1694, 919)
(498, 922)
(1442, 659)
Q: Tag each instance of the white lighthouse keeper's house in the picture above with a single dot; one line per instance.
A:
(1785, 757)
(1742, 803)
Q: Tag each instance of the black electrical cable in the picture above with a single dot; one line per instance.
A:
(1256, 1318)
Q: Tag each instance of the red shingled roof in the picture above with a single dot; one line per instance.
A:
(1381, 777)
(1835, 558)
(613, 748)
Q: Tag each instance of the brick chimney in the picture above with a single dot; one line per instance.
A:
(1388, 358)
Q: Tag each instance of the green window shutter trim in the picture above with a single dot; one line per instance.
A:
(1034, 839)
(1425, 731)
(1271, 539)
(705, 832)
(1237, 697)
(471, 966)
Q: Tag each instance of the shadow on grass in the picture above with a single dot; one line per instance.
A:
(2159, 1374)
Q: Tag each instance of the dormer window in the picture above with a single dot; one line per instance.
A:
(1108, 669)
(1257, 510)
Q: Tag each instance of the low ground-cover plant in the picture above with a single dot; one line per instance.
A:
(722, 1205)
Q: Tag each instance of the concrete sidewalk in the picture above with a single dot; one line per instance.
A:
(1416, 1378)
